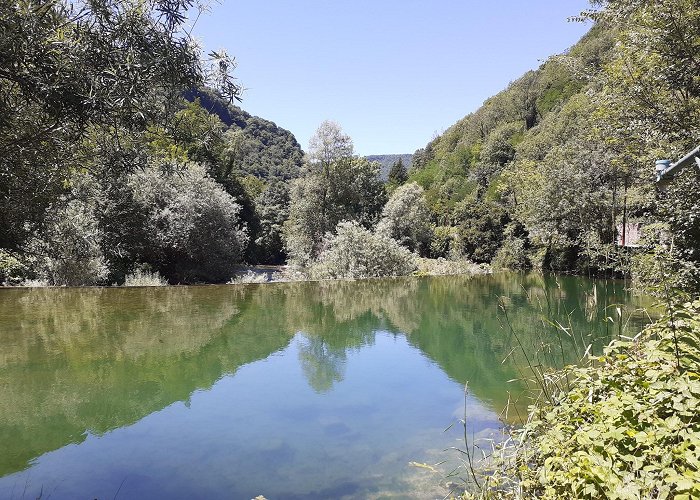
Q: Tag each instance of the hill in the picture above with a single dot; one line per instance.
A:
(524, 174)
(267, 149)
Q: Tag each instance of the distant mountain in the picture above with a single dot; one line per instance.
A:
(386, 161)
(269, 150)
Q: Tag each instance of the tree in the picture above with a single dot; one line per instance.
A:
(304, 230)
(407, 219)
(335, 187)
(398, 174)
(272, 207)
(329, 150)
(328, 146)
(499, 148)
(650, 88)
(356, 193)
(193, 134)
(649, 104)
(480, 226)
(72, 71)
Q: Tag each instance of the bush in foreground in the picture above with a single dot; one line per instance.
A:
(354, 252)
(627, 426)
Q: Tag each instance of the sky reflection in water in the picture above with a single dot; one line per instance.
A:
(300, 390)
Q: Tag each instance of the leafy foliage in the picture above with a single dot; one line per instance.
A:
(256, 146)
(70, 70)
(272, 206)
(479, 229)
(68, 250)
(530, 155)
(398, 175)
(566, 150)
(91, 104)
(406, 218)
(513, 253)
(143, 277)
(386, 162)
(336, 186)
(649, 103)
(12, 269)
(354, 252)
(193, 228)
(626, 428)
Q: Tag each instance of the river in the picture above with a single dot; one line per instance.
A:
(287, 390)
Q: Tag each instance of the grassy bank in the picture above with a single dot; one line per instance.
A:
(624, 426)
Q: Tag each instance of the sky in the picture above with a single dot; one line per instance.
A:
(392, 73)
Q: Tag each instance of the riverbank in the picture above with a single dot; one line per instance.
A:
(425, 267)
(283, 274)
(623, 426)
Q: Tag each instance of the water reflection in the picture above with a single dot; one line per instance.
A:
(79, 362)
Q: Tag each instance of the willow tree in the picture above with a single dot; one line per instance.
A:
(79, 80)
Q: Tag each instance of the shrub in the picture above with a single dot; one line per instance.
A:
(34, 283)
(626, 427)
(68, 249)
(12, 270)
(144, 277)
(249, 277)
(193, 228)
(440, 266)
(354, 252)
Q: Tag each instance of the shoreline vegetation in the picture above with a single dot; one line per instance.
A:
(622, 424)
(285, 274)
(154, 173)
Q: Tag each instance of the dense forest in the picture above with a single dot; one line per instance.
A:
(123, 155)
(549, 172)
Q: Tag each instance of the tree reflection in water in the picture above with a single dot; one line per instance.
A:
(74, 361)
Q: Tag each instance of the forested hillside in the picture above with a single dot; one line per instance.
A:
(547, 171)
(265, 150)
(107, 172)
(114, 166)
(500, 175)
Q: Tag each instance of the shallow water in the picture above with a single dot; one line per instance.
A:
(297, 390)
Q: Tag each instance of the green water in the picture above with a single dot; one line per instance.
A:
(296, 390)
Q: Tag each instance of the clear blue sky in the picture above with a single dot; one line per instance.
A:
(392, 73)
